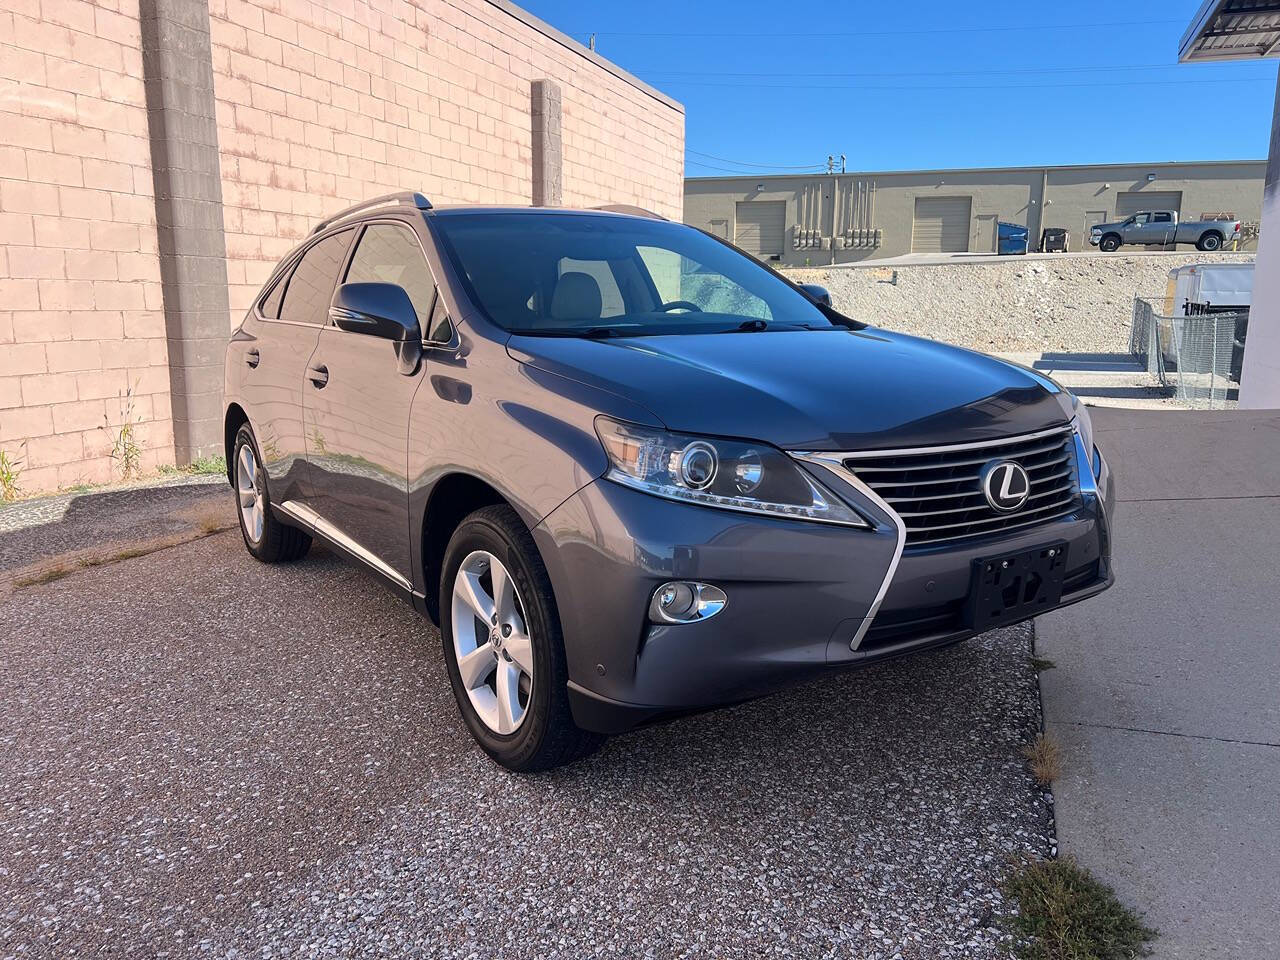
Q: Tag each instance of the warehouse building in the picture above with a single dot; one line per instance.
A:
(158, 157)
(849, 217)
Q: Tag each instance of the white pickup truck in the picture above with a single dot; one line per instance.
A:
(1161, 227)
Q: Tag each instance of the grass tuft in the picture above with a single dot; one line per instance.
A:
(199, 467)
(47, 575)
(1044, 758)
(1065, 913)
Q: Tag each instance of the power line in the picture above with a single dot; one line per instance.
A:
(904, 32)
(817, 168)
(1007, 87)
(747, 163)
(660, 71)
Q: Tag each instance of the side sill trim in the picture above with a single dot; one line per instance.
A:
(304, 514)
(835, 463)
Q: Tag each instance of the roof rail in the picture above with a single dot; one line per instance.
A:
(629, 209)
(407, 199)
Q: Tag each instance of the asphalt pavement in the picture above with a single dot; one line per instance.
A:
(1164, 694)
(206, 756)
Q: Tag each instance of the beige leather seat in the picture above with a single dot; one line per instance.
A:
(576, 298)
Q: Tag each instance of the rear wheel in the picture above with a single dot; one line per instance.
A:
(1109, 244)
(1210, 241)
(503, 646)
(264, 536)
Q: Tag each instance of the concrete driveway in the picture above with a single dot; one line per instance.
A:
(1165, 695)
(203, 755)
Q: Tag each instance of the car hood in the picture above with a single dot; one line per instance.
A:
(810, 390)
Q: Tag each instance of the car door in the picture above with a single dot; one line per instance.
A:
(287, 321)
(356, 408)
(1161, 227)
(1135, 228)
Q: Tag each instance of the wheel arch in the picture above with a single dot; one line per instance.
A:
(453, 497)
(235, 419)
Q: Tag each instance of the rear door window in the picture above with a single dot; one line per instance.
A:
(310, 289)
(388, 253)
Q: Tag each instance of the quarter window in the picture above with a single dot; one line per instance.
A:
(310, 290)
(388, 253)
(270, 306)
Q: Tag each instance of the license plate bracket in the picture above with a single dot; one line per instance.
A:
(1015, 586)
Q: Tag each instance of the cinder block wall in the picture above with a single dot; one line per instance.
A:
(320, 105)
(317, 105)
(81, 319)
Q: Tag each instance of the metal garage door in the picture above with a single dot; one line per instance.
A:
(1133, 201)
(941, 225)
(760, 226)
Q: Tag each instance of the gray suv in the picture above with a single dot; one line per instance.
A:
(633, 473)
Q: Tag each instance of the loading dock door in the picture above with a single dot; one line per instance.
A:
(941, 225)
(760, 227)
(1132, 201)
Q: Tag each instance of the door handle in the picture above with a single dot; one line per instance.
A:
(318, 375)
(253, 357)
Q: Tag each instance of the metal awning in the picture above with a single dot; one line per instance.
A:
(1232, 30)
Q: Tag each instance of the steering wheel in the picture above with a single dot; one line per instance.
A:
(679, 305)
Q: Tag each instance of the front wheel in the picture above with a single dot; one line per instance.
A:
(503, 647)
(1109, 244)
(1210, 241)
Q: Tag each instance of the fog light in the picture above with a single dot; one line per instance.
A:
(686, 601)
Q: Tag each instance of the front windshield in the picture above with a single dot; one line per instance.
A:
(588, 274)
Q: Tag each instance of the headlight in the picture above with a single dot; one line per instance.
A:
(730, 474)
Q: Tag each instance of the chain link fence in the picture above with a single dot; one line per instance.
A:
(1197, 357)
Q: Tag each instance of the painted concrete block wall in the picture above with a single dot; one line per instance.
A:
(81, 321)
(321, 105)
(317, 105)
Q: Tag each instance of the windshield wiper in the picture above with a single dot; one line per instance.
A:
(589, 333)
(751, 326)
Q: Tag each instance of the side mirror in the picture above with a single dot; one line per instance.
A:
(376, 309)
(381, 310)
(818, 293)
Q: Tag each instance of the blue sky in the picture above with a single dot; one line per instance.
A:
(776, 86)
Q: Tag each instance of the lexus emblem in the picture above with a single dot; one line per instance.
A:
(1005, 485)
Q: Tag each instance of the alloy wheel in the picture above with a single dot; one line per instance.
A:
(249, 490)
(491, 642)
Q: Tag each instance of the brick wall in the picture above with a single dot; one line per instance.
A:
(81, 321)
(321, 105)
(318, 105)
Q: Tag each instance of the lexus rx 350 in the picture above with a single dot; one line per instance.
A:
(631, 472)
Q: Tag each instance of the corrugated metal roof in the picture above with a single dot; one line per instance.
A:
(1232, 30)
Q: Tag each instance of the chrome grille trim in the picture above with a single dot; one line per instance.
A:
(937, 510)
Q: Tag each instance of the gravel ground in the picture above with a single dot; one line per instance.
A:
(205, 756)
(1078, 304)
(31, 530)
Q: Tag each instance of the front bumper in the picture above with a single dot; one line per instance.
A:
(799, 593)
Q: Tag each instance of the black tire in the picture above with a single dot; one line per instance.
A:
(547, 737)
(1109, 244)
(1210, 241)
(280, 543)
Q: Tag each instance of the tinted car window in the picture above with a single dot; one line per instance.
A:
(270, 306)
(1162, 218)
(441, 329)
(388, 253)
(567, 273)
(310, 290)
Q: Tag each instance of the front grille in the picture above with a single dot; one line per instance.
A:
(938, 492)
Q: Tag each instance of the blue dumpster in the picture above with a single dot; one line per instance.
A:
(1012, 238)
